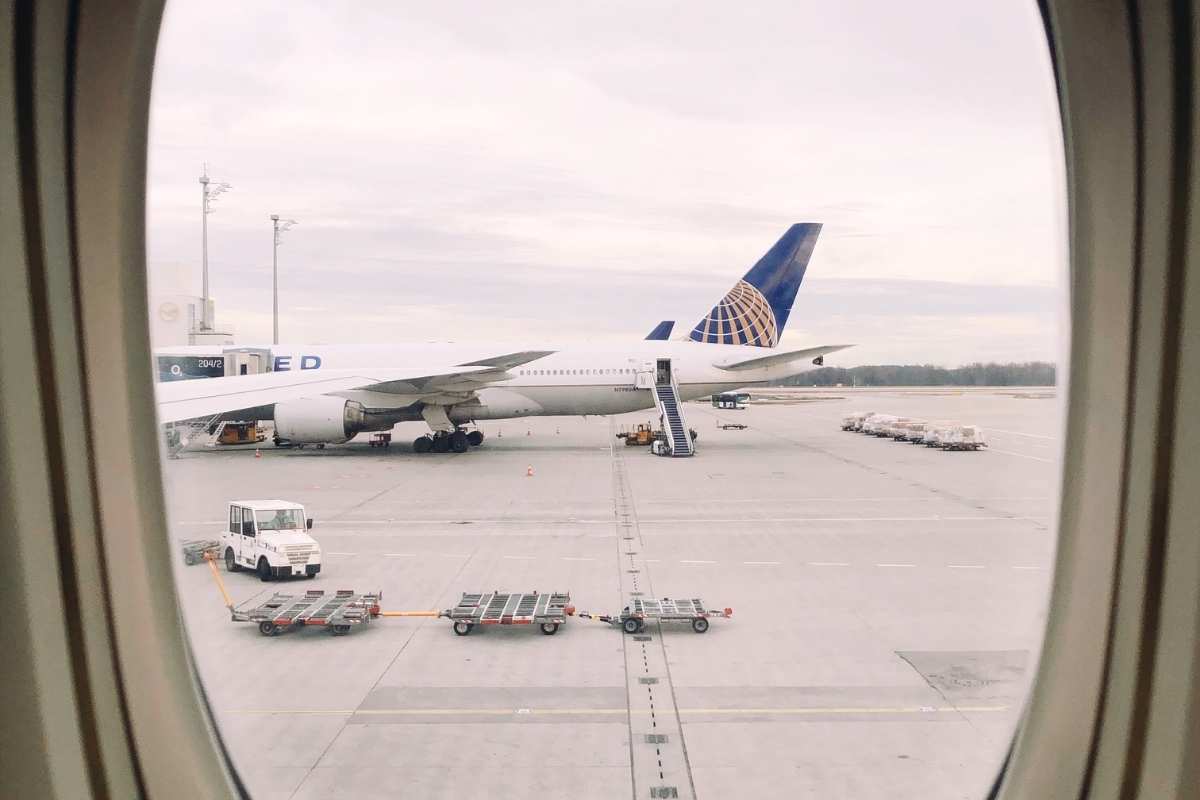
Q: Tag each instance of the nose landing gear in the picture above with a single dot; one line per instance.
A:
(458, 440)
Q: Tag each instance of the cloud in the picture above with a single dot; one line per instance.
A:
(590, 170)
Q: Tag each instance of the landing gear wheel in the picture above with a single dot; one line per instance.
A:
(268, 628)
(231, 564)
(422, 444)
(462, 628)
(264, 570)
(700, 625)
(341, 630)
(475, 438)
(631, 625)
(458, 442)
(441, 444)
(549, 628)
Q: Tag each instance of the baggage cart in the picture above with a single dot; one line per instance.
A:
(338, 612)
(633, 617)
(548, 611)
(196, 550)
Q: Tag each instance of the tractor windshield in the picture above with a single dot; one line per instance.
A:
(284, 519)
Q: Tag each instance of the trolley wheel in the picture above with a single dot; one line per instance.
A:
(700, 625)
(631, 625)
(549, 628)
(462, 628)
(268, 628)
(264, 569)
(189, 559)
(231, 563)
(341, 630)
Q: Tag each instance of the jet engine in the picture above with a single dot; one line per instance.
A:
(318, 420)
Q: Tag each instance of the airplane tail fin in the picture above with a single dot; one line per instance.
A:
(661, 332)
(755, 311)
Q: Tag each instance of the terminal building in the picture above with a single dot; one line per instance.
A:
(186, 348)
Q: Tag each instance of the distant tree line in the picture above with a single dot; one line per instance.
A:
(1029, 373)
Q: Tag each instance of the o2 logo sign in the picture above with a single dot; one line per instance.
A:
(283, 363)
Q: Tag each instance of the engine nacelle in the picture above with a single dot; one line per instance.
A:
(318, 420)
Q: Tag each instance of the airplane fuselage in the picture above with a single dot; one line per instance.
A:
(574, 380)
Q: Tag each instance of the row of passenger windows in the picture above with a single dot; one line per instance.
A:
(576, 372)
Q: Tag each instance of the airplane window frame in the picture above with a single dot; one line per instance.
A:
(1117, 681)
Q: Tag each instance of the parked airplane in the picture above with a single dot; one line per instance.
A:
(328, 394)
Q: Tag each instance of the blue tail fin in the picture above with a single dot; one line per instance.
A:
(755, 311)
(661, 332)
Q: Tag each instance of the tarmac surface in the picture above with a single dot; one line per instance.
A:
(888, 606)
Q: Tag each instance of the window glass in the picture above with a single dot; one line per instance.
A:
(550, 182)
(283, 519)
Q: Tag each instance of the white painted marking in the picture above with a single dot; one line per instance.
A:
(1021, 455)
(828, 563)
(694, 561)
(758, 520)
(895, 565)
(965, 566)
(398, 555)
(1021, 433)
(761, 563)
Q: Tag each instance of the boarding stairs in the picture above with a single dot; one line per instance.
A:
(670, 408)
(180, 434)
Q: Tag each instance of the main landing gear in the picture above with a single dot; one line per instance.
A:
(458, 441)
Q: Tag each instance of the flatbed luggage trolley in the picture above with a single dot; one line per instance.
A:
(196, 550)
(338, 611)
(500, 608)
(634, 616)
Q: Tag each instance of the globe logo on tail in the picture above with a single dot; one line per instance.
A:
(742, 317)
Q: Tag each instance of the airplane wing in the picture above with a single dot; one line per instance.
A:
(180, 400)
(783, 358)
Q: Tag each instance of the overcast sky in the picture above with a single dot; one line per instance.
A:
(563, 171)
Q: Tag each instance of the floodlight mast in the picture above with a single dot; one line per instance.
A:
(279, 227)
(209, 195)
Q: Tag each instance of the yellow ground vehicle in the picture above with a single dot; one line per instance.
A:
(641, 436)
(240, 433)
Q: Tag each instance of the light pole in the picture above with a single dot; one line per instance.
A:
(279, 227)
(209, 195)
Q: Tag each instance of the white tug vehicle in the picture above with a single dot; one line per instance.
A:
(271, 538)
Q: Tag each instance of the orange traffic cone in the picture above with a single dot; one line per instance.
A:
(529, 471)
